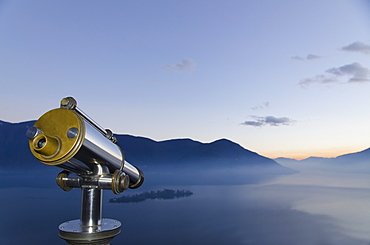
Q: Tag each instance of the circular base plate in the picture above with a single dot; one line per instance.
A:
(74, 233)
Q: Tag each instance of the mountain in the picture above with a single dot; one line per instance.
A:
(357, 158)
(307, 161)
(192, 159)
(286, 161)
(221, 152)
(14, 149)
(357, 162)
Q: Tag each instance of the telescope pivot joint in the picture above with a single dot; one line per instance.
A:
(116, 182)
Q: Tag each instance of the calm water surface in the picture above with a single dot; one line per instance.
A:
(309, 208)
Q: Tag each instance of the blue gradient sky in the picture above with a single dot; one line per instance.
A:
(281, 78)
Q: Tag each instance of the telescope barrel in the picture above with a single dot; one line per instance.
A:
(68, 138)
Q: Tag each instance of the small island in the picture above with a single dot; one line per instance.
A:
(165, 194)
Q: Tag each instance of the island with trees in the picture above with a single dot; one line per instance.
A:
(165, 194)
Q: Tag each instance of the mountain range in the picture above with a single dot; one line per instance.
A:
(357, 162)
(185, 159)
(175, 153)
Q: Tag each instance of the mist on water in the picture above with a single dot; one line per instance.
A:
(309, 207)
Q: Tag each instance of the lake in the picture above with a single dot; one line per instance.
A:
(307, 208)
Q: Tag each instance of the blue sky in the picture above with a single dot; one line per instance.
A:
(281, 78)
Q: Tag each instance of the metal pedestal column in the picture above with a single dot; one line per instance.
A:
(90, 228)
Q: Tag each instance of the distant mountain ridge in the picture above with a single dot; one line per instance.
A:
(356, 162)
(182, 151)
(361, 157)
(14, 150)
(355, 157)
(176, 154)
(143, 152)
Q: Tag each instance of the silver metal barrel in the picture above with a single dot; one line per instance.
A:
(63, 137)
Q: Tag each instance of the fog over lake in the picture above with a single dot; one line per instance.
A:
(307, 208)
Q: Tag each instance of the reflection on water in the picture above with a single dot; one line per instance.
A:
(343, 197)
(309, 208)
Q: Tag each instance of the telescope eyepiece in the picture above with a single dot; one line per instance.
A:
(41, 143)
(45, 145)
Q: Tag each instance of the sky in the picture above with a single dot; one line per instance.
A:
(281, 78)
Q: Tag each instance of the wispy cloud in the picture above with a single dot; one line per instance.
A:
(184, 66)
(258, 107)
(355, 71)
(352, 73)
(268, 120)
(308, 57)
(357, 47)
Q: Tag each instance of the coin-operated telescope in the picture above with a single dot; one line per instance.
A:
(92, 160)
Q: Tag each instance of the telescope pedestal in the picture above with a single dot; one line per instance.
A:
(90, 228)
(75, 234)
